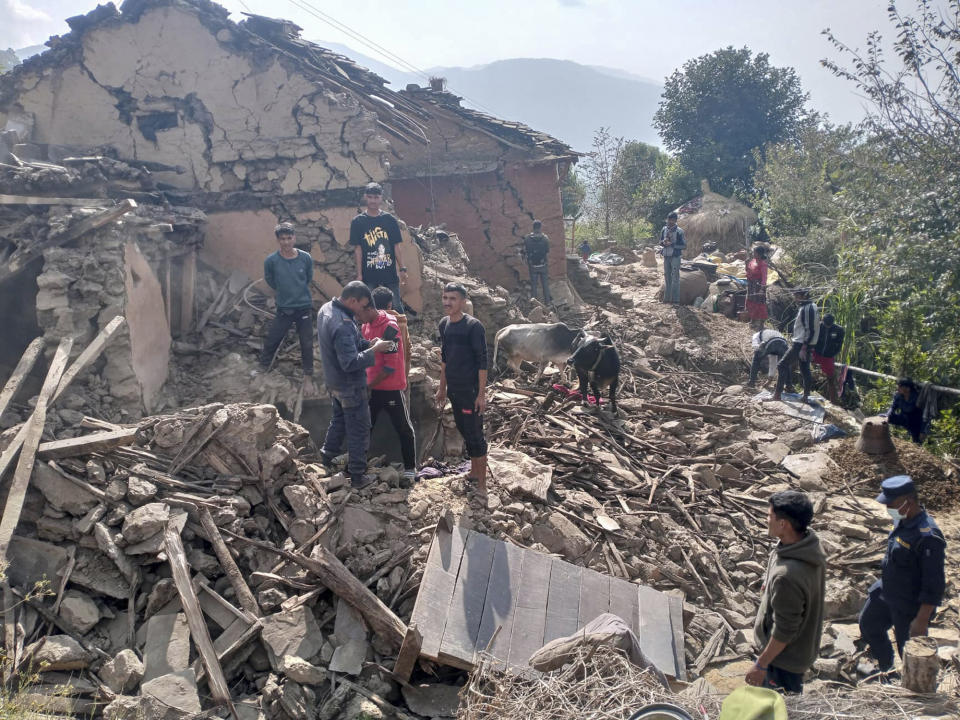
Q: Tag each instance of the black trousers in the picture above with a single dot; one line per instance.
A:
(286, 317)
(538, 276)
(395, 403)
(876, 619)
(469, 423)
(758, 360)
(913, 423)
(783, 680)
(785, 368)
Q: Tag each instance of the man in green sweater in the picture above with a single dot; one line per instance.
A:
(288, 272)
(790, 618)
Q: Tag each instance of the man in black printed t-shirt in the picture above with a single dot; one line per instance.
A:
(376, 239)
(463, 377)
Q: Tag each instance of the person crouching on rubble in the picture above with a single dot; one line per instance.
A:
(905, 410)
(463, 377)
(387, 379)
(790, 617)
(346, 356)
(288, 272)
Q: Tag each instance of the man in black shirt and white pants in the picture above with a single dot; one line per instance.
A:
(463, 377)
(806, 329)
(376, 239)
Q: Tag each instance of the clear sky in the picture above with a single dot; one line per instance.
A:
(649, 38)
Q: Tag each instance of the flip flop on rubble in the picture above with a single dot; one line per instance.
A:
(575, 394)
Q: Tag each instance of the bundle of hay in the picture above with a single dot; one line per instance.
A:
(715, 218)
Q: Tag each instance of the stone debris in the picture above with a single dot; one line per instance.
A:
(671, 493)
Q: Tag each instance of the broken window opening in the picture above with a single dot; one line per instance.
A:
(151, 123)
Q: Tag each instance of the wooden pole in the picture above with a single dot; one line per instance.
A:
(16, 380)
(89, 354)
(247, 601)
(344, 584)
(883, 376)
(180, 570)
(920, 665)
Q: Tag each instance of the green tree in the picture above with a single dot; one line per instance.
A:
(573, 192)
(599, 169)
(720, 107)
(672, 186)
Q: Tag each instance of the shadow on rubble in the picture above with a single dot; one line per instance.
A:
(692, 327)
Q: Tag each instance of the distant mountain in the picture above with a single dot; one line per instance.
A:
(566, 99)
(24, 53)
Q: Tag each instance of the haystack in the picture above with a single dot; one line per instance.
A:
(715, 218)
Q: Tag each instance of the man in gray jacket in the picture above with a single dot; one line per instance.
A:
(790, 618)
(346, 356)
(673, 242)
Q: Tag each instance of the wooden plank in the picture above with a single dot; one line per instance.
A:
(31, 434)
(466, 607)
(625, 604)
(409, 652)
(436, 588)
(656, 631)
(676, 620)
(20, 373)
(563, 600)
(34, 200)
(188, 283)
(90, 353)
(496, 624)
(86, 444)
(530, 617)
(594, 596)
(191, 608)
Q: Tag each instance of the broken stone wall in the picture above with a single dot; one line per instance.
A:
(181, 86)
(121, 269)
(491, 212)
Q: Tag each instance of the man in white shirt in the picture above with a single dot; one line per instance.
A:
(770, 345)
(806, 329)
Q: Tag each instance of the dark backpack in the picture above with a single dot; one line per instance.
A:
(830, 341)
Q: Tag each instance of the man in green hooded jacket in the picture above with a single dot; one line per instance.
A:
(790, 618)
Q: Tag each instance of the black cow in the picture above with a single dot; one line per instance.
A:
(597, 362)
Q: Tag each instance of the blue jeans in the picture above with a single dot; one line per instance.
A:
(671, 277)
(350, 421)
(538, 276)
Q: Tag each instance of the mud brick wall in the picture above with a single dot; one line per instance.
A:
(190, 91)
(492, 212)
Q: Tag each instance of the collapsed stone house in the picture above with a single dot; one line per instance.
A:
(252, 124)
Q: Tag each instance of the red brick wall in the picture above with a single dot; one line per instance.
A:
(491, 212)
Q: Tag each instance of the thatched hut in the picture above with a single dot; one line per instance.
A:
(715, 218)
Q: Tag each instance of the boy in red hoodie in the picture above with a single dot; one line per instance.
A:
(387, 380)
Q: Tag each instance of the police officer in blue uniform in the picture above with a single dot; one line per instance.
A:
(912, 581)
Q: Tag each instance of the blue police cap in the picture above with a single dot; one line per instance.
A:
(895, 487)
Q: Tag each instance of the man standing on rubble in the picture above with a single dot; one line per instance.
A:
(387, 379)
(346, 356)
(672, 242)
(790, 617)
(912, 579)
(376, 238)
(463, 377)
(806, 330)
(288, 272)
(536, 249)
